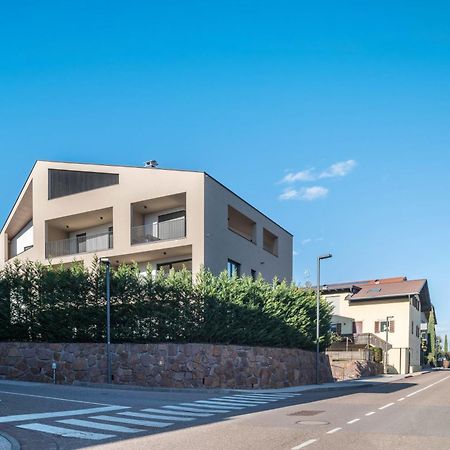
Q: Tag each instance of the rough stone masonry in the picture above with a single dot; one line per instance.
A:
(163, 365)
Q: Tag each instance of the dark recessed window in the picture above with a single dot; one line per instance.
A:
(68, 182)
(233, 268)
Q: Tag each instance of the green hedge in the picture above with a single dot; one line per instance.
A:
(67, 304)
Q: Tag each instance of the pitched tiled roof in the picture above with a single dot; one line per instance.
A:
(396, 289)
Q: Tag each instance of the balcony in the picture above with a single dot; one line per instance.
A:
(79, 244)
(159, 231)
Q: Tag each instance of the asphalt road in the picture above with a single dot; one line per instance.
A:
(406, 414)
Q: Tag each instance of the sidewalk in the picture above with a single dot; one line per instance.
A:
(347, 384)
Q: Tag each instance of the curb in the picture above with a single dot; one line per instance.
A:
(14, 444)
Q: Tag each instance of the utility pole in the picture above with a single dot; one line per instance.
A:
(108, 319)
(386, 345)
(319, 258)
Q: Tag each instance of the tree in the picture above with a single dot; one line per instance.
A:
(432, 357)
(445, 345)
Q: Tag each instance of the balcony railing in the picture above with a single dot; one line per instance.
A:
(171, 229)
(79, 244)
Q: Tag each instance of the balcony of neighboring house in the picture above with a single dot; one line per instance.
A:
(89, 232)
(158, 219)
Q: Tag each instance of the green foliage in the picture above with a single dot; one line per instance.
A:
(377, 354)
(432, 350)
(59, 303)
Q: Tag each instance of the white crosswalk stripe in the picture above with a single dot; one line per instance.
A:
(144, 423)
(99, 426)
(65, 432)
(257, 399)
(178, 413)
(220, 404)
(253, 397)
(195, 408)
(156, 416)
(238, 402)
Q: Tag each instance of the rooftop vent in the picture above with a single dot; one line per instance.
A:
(152, 163)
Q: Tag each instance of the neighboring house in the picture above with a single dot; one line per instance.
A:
(166, 218)
(370, 302)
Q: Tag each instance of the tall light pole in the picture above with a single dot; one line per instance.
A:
(386, 346)
(319, 258)
(108, 318)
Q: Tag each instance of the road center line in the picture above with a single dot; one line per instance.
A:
(49, 415)
(334, 430)
(401, 399)
(305, 444)
(371, 413)
(55, 398)
(385, 406)
(353, 421)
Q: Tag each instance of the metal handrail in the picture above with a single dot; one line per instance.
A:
(171, 229)
(76, 245)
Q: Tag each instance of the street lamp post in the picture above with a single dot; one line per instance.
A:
(108, 318)
(386, 345)
(319, 258)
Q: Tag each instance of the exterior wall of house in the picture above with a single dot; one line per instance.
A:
(222, 244)
(208, 240)
(135, 185)
(405, 353)
(345, 322)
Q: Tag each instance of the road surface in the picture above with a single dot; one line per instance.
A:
(412, 413)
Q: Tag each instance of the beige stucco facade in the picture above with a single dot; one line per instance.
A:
(147, 215)
(404, 356)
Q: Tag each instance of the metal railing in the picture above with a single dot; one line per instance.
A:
(79, 244)
(170, 229)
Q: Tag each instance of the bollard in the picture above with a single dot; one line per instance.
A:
(54, 372)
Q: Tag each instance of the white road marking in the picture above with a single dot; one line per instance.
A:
(334, 430)
(145, 423)
(48, 415)
(178, 413)
(99, 426)
(216, 408)
(401, 399)
(55, 398)
(65, 432)
(214, 404)
(249, 397)
(305, 444)
(274, 395)
(237, 402)
(371, 413)
(156, 416)
(353, 421)
(385, 406)
(195, 410)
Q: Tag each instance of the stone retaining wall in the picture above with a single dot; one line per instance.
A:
(163, 365)
(349, 370)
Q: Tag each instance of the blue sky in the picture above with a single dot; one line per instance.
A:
(352, 97)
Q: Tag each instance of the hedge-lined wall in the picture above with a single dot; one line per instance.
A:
(67, 304)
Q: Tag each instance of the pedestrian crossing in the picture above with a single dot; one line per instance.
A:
(120, 420)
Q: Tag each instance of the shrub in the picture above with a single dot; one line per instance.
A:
(56, 303)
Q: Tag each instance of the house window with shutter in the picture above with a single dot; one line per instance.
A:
(377, 326)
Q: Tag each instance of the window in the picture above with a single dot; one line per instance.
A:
(417, 331)
(241, 225)
(81, 242)
(381, 326)
(270, 242)
(175, 265)
(233, 268)
(336, 328)
(412, 327)
(253, 274)
(67, 182)
(110, 237)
